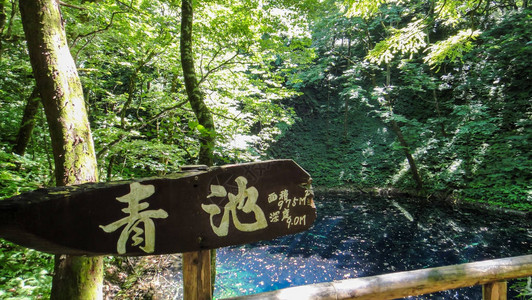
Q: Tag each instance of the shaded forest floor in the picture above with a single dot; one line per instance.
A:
(148, 277)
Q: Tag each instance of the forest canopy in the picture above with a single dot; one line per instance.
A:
(431, 97)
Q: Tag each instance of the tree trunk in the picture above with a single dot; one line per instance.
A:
(3, 17)
(411, 162)
(130, 91)
(200, 267)
(195, 96)
(72, 145)
(438, 112)
(397, 130)
(2, 24)
(327, 115)
(27, 124)
(6, 27)
(346, 103)
(133, 86)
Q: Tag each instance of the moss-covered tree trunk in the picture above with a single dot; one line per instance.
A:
(199, 268)
(2, 25)
(195, 96)
(6, 24)
(27, 124)
(406, 150)
(75, 161)
(2, 19)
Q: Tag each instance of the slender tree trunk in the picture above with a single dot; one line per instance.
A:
(195, 96)
(3, 17)
(346, 118)
(6, 28)
(130, 91)
(327, 116)
(199, 267)
(346, 104)
(9, 25)
(110, 167)
(397, 130)
(411, 162)
(72, 144)
(438, 112)
(132, 87)
(28, 123)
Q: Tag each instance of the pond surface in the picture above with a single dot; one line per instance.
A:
(359, 236)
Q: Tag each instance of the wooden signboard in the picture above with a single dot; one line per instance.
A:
(189, 211)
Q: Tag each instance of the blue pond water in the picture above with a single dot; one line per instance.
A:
(361, 236)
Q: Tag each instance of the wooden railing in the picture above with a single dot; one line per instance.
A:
(492, 274)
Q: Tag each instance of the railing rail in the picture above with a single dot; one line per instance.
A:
(490, 273)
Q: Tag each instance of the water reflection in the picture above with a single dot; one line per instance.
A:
(370, 236)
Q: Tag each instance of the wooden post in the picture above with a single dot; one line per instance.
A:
(197, 268)
(197, 275)
(494, 290)
(190, 212)
(193, 210)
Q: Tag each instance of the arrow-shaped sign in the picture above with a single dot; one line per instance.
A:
(189, 211)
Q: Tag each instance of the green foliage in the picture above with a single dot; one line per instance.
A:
(137, 93)
(524, 287)
(364, 9)
(315, 142)
(406, 41)
(453, 75)
(25, 273)
(128, 60)
(452, 48)
(20, 173)
(459, 91)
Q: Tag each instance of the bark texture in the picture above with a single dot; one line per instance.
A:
(2, 24)
(27, 124)
(75, 161)
(61, 92)
(195, 96)
(199, 267)
(2, 17)
(397, 130)
(406, 150)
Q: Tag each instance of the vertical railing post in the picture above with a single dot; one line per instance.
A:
(494, 290)
(197, 275)
(489, 273)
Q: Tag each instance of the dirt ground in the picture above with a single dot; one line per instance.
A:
(148, 277)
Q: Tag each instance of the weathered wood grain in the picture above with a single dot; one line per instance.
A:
(495, 290)
(188, 211)
(409, 283)
(197, 275)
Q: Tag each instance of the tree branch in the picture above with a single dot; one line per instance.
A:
(105, 28)
(224, 116)
(216, 53)
(71, 5)
(221, 65)
(138, 127)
